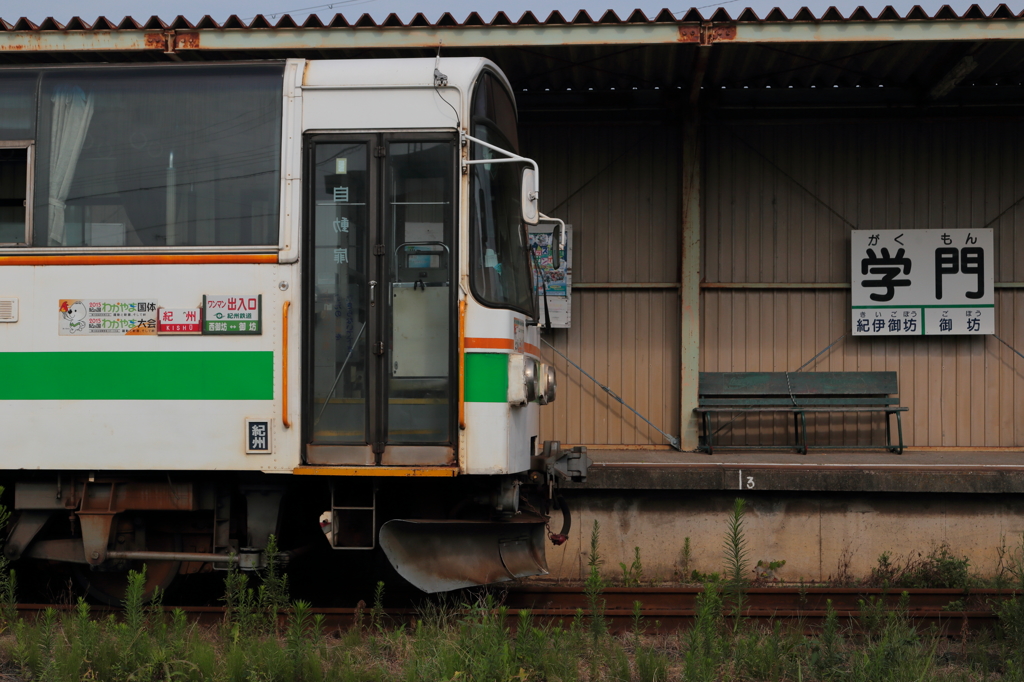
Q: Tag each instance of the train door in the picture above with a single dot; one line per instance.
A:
(380, 269)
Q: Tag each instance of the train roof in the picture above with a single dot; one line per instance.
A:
(460, 72)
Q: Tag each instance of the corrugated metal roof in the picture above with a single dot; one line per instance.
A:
(501, 19)
(900, 58)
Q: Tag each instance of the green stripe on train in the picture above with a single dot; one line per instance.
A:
(486, 378)
(143, 375)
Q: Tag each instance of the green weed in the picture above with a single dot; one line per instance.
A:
(273, 591)
(767, 653)
(939, 568)
(765, 570)
(593, 587)
(377, 610)
(699, 577)
(633, 574)
(618, 665)
(651, 665)
(736, 561)
(707, 645)
(685, 559)
(826, 657)
(894, 652)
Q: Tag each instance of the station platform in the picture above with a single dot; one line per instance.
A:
(916, 471)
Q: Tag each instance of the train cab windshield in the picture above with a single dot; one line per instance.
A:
(500, 266)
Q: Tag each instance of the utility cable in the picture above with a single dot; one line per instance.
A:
(1000, 215)
(441, 80)
(672, 440)
(717, 4)
(788, 176)
(820, 352)
(579, 189)
(331, 5)
(1009, 346)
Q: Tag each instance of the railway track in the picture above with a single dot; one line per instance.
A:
(670, 608)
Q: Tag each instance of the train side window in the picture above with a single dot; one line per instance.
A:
(17, 130)
(169, 156)
(15, 192)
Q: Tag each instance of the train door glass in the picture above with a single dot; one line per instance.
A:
(380, 315)
(341, 226)
(419, 218)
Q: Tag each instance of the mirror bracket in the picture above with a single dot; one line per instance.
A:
(531, 188)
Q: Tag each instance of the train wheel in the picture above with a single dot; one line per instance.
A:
(109, 584)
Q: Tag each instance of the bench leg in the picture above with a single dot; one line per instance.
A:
(796, 429)
(803, 423)
(896, 449)
(707, 433)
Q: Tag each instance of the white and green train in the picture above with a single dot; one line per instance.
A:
(238, 299)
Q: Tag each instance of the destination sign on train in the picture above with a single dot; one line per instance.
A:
(922, 282)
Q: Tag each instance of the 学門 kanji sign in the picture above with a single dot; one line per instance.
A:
(917, 282)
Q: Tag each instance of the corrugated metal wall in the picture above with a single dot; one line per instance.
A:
(618, 186)
(779, 203)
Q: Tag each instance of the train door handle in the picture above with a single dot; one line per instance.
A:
(373, 292)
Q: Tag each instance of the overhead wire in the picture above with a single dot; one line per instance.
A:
(717, 4)
(330, 5)
(672, 440)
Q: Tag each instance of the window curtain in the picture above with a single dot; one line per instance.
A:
(72, 112)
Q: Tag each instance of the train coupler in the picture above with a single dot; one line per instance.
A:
(557, 464)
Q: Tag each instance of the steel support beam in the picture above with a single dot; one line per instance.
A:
(878, 31)
(689, 290)
(290, 39)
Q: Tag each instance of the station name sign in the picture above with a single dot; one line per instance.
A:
(922, 282)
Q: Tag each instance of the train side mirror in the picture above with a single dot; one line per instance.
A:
(556, 247)
(558, 239)
(530, 197)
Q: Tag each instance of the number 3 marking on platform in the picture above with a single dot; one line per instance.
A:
(750, 482)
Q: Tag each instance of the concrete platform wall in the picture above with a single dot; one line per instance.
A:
(814, 533)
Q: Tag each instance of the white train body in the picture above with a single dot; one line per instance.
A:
(313, 269)
(114, 401)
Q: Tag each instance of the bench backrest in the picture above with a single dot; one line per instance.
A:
(806, 387)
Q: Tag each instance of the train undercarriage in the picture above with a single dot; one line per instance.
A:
(438, 536)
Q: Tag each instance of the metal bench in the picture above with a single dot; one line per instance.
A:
(799, 393)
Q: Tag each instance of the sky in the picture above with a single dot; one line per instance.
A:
(115, 10)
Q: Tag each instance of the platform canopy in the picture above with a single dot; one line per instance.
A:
(775, 61)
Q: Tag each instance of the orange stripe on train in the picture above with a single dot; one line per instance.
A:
(143, 259)
(500, 344)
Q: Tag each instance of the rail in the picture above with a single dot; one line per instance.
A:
(666, 609)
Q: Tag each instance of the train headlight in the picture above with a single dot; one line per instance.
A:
(524, 379)
(531, 377)
(548, 384)
(529, 381)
